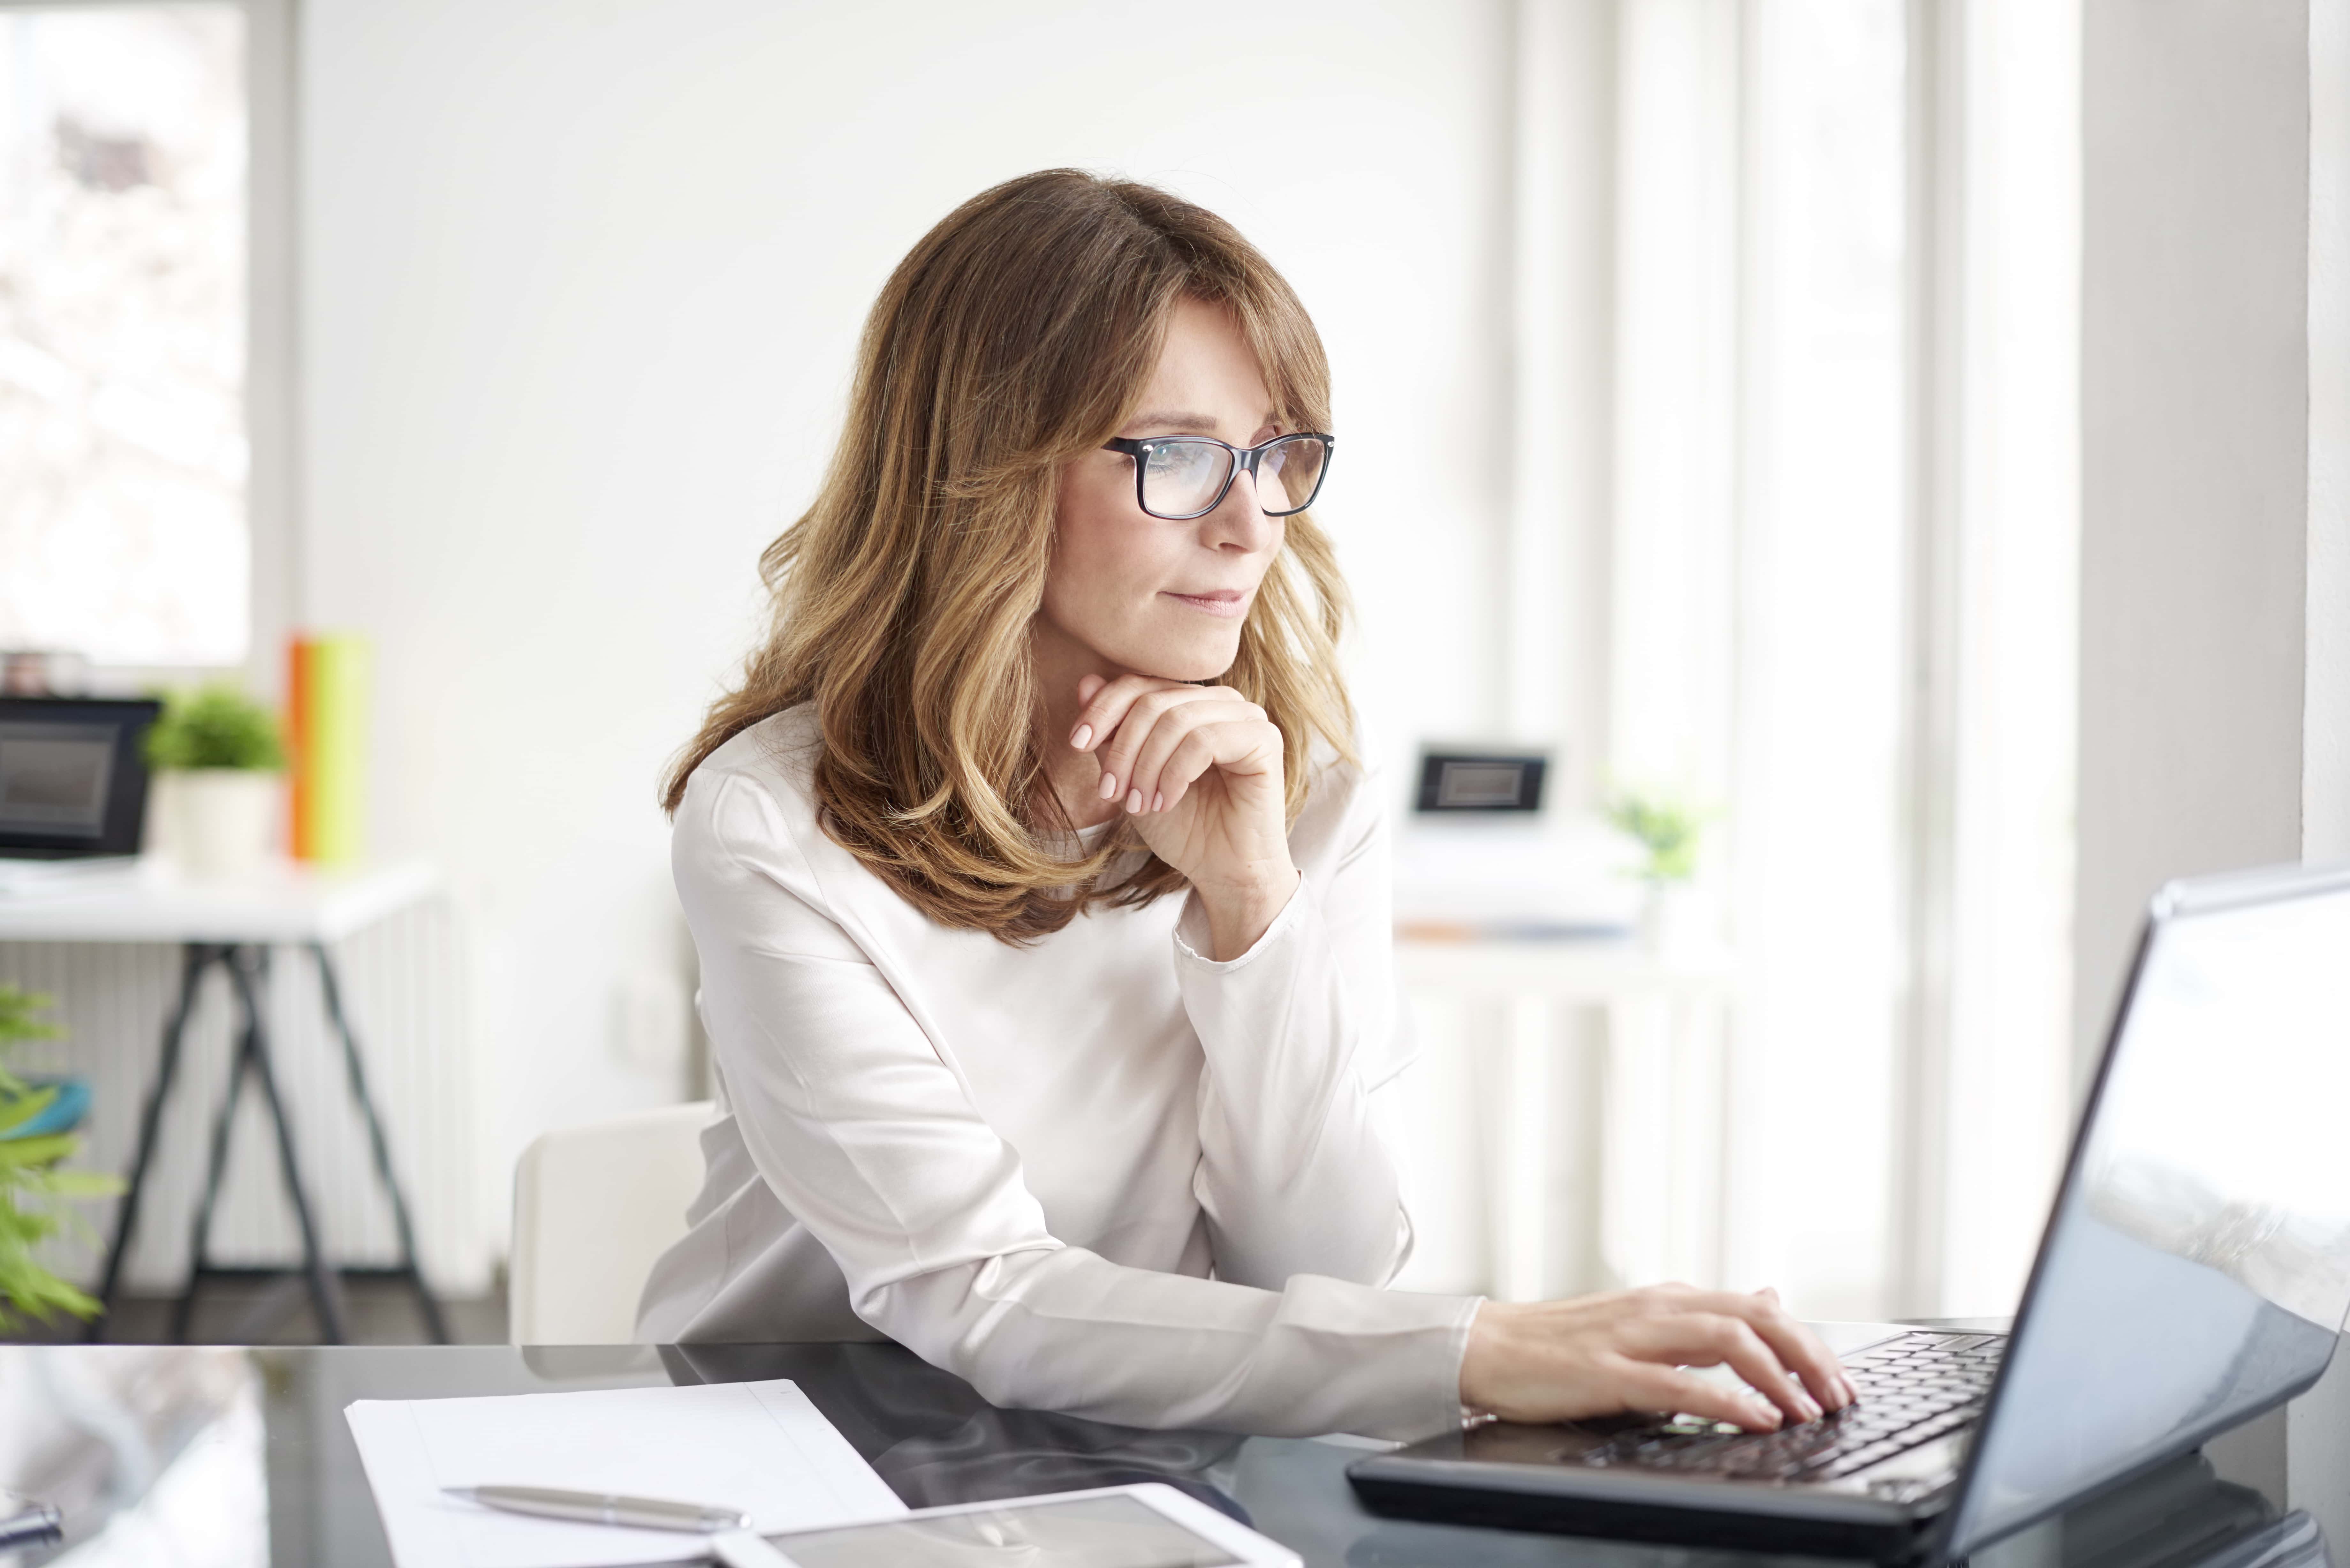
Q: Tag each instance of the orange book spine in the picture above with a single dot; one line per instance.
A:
(301, 819)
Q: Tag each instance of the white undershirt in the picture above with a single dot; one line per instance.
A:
(1023, 1163)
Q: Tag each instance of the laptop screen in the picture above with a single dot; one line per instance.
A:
(2198, 1266)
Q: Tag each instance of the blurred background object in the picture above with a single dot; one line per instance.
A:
(33, 672)
(218, 754)
(38, 1118)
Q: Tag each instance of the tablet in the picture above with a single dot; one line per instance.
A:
(1145, 1526)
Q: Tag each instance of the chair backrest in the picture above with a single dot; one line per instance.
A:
(593, 1207)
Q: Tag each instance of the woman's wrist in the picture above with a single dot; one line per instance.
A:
(1240, 912)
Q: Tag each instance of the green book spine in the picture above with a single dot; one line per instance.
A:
(341, 677)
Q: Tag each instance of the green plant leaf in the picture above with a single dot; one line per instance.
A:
(214, 726)
(17, 1153)
(16, 1109)
(83, 1183)
(35, 1195)
(1668, 829)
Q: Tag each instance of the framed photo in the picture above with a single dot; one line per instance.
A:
(73, 775)
(1480, 782)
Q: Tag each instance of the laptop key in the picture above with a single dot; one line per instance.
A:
(1912, 1391)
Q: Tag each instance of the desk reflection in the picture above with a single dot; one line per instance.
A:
(932, 1436)
(224, 1457)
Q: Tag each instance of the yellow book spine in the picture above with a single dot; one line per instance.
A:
(339, 689)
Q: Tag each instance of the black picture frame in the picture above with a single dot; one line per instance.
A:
(1439, 771)
(122, 724)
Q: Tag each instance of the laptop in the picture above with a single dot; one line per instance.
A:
(2195, 1272)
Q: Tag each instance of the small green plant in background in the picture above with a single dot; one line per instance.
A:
(33, 1190)
(214, 726)
(1667, 827)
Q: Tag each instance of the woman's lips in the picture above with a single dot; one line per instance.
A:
(1228, 602)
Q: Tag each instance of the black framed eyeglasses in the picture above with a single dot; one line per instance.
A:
(1182, 477)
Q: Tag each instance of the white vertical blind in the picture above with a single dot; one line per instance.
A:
(1843, 538)
(1819, 717)
(2016, 594)
(1759, 541)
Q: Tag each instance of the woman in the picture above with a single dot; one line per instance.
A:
(1049, 984)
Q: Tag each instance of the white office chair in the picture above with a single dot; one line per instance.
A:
(593, 1207)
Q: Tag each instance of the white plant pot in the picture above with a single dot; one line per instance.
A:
(225, 821)
(1675, 920)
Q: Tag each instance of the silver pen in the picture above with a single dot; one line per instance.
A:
(732, 1540)
(604, 1508)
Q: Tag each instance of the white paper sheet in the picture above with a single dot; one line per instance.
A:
(761, 1447)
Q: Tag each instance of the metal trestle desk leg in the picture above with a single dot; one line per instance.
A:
(247, 968)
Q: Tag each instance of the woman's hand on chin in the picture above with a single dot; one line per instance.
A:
(1631, 1350)
(1199, 769)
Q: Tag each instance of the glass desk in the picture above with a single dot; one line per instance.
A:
(234, 1458)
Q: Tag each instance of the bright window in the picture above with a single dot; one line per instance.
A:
(1844, 556)
(122, 333)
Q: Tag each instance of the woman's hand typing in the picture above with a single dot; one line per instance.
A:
(1631, 1350)
(1199, 769)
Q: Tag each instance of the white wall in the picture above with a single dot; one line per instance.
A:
(2198, 621)
(581, 283)
(2318, 1457)
(2194, 471)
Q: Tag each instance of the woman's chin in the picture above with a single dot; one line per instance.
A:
(1187, 661)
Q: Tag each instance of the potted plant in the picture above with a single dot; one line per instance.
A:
(221, 753)
(1667, 830)
(31, 1185)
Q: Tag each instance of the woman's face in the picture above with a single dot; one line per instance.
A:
(1134, 593)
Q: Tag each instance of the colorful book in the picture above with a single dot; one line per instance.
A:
(328, 684)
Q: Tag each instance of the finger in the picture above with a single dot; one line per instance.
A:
(1647, 1385)
(1241, 748)
(1797, 1347)
(1143, 714)
(1804, 1350)
(1174, 727)
(1710, 1339)
(1099, 711)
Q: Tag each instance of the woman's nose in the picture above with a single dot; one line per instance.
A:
(1238, 521)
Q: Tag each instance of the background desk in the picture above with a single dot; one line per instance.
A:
(1658, 1205)
(233, 927)
(265, 1430)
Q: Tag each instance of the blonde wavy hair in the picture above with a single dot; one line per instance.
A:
(1016, 337)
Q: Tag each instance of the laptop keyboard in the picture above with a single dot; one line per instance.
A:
(1913, 1388)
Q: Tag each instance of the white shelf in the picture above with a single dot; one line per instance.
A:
(1586, 971)
(284, 903)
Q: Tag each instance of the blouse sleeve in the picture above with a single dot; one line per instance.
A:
(868, 1136)
(1299, 1031)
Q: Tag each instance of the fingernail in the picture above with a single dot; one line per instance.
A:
(1133, 800)
(1811, 1412)
(1768, 1416)
(1085, 733)
(1159, 801)
(1109, 786)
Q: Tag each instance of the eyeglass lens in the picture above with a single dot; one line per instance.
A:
(1181, 478)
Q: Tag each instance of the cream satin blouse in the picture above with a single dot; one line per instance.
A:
(1101, 1174)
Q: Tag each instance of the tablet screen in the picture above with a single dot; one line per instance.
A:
(1083, 1532)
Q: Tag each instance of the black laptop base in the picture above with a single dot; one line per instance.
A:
(1884, 1540)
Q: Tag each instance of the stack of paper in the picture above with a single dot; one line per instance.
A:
(761, 1447)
